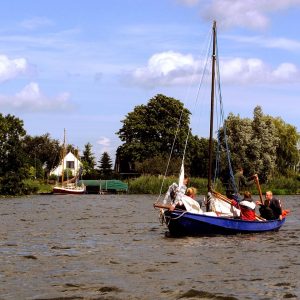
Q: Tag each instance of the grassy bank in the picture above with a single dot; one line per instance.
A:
(153, 185)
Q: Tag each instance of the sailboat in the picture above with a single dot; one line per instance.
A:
(68, 186)
(220, 217)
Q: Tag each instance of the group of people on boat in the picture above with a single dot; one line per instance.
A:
(185, 199)
(270, 209)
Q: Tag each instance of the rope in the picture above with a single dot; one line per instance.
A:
(222, 121)
(179, 122)
(175, 218)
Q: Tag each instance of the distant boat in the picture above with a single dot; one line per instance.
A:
(69, 186)
(69, 189)
(220, 217)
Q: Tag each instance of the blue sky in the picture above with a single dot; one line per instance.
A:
(83, 65)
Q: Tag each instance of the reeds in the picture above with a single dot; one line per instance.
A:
(150, 184)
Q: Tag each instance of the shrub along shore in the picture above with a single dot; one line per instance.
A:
(147, 184)
(153, 185)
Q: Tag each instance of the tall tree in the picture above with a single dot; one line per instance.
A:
(105, 165)
(12, 158)
(287, 153)
(157, 165)
(150, 130)
(88, 161)
(264, 142)
(252, 143)
(198, 156)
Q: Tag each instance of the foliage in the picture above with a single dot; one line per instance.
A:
(12, 158)
(282, 185)
(149, 184)
(68, 174)
(198, 156)
(157, 165)
(262, 150)
(287, 154)
(53, 177)
(33, 186)
(43, 153)
(150, 129)
(30, 186)
(88, 162)
(252, 144)
(105, 165)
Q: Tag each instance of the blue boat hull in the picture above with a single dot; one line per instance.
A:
(185, 223)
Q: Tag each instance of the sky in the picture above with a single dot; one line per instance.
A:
(84, 65)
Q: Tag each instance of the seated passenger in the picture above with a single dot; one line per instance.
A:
(191, 192)
(265, 211)
(247, 207)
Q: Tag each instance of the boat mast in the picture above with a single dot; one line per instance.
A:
(63, 157)
(212, 97)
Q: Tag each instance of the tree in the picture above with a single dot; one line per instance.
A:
(239, 135)
(43, 153)
(264, 142)
(287, 154)
(12, 158)
(157, 165)
(105, 165)
(252, 143)
(88, 161)
(150, 130)
(198, 156)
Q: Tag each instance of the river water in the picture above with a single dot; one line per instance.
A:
(113, 247)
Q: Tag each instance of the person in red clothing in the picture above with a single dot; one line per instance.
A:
(247, 207)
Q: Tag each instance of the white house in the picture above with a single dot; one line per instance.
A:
(70, 162)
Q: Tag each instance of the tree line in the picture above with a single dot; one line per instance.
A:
(33, 157)
(263, 144)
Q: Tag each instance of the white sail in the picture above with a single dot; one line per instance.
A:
(181, 175)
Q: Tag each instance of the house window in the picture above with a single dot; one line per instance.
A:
(70, 164)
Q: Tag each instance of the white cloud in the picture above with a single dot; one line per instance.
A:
(36, 22)
(171, 69)
(229, 13)
(105, 144)
(31, 99)
(11, 68)
(189, 2)
(166, 68)
(104, 141)
(243, 13)
(286, 72)
(265, 42)
(243, 70)
(253, 71)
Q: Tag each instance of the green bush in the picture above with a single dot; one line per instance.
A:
(149, 184)
(30, 186)
(283, 185)
(53, 177)
(153, 185)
